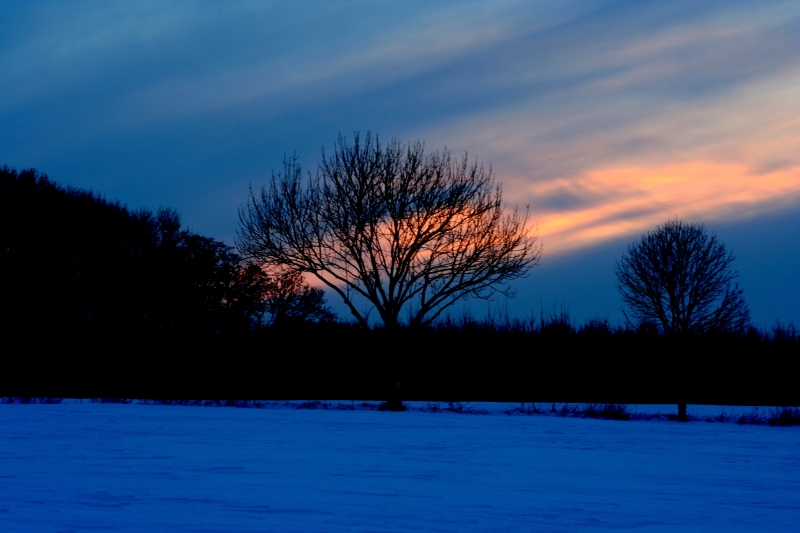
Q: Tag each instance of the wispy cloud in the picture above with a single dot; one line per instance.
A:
(697, 120)
(614, 202)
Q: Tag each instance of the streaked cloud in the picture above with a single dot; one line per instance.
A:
(613, 202)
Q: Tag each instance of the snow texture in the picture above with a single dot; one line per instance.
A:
(81, 466)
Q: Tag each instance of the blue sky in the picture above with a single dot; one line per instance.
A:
(607, 118)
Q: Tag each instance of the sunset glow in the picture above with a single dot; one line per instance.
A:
(616, 202)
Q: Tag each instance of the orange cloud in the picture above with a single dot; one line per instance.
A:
(614, 202)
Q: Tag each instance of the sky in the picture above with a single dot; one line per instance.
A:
(606, 118)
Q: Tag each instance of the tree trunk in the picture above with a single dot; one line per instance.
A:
(394, 402)
(394, 353)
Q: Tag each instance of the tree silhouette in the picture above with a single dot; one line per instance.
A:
(392, 224)
(73, 264)
(679, 277)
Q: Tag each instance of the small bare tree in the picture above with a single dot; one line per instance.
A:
(679, 277)
(392, 224)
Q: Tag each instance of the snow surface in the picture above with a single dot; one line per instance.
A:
(82, 466)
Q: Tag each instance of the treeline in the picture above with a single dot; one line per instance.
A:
(546, 361)
(77, 267)
(102, 301)
(553, 359)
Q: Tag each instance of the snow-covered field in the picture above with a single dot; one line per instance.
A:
(111, 467)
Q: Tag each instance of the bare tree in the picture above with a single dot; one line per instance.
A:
(392, 224)
(678, 276)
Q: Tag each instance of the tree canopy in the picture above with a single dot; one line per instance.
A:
(679, 277)
(392, 224)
